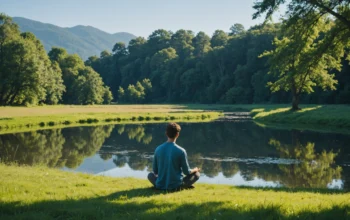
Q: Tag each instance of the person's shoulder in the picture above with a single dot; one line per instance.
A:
(160, 146)
(180, 148)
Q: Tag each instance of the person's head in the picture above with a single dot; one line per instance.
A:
(173, 130)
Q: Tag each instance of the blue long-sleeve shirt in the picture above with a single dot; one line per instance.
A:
(169, 162)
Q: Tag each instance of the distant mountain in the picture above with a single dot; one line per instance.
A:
(86, 41)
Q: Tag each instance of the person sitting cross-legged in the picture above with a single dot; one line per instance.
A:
(169, 162)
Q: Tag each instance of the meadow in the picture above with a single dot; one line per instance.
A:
(310, 117)
(18, 119)
(44, 193)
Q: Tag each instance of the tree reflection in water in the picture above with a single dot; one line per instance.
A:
(238, 141)
(120, 160)
(106, 156)
(211, 168)
(53, 148)
(229, 169)
(137, 163)
(313, 170)
(32, 148)
(85, 142)
(209, 146)
(135, 132)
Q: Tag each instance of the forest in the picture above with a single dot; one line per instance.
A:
(225, 68)
(30, 76)
(303, 59)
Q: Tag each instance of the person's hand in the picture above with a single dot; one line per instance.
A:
(196, 169)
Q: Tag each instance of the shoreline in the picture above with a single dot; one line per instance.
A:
(73, 116)
(319, 118)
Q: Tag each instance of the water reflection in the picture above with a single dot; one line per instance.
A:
(120, 161)
(229, 169)
(82, 143)
(53, 148)
(135, 133)
(314, 170)
(32, 148)
(230, 153)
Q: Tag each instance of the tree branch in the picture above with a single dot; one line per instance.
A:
(330, 11)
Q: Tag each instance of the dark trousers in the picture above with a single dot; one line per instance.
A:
(187, 181)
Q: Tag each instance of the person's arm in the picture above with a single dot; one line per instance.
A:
(155, 165)
(184, 164)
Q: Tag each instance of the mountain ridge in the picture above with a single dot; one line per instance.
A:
(83, 40)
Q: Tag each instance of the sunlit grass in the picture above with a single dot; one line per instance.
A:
(324, 118)
(79, 109)
(43, 193)
(311, 117)
(261, 112)
(325, 115)
(13, 119)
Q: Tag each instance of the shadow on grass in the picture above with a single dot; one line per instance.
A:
(148, 205)
(141, 192)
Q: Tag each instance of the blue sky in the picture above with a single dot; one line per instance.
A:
(139, 17)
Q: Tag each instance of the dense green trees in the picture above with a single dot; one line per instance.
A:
(83, 84)
(191, 68)
(226, 68)
(316, 37)
(183, 67)
(138, 93)
(28, 76)
(299, 64)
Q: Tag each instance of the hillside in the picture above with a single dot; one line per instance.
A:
(83, 40)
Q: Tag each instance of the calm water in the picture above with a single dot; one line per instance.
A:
(236, 153)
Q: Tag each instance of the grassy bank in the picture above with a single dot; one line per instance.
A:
(323, 118)
(43, 193)
(328, 115)
(311, 117)
(327, 118)
(14, 119)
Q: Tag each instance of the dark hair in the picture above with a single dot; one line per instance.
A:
(172, 129)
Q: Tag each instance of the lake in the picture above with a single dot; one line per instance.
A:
(234, 152)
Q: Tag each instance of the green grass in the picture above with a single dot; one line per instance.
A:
(328, 118)
(324, 118)
(43, 193)
(235, 107)
(19, 119)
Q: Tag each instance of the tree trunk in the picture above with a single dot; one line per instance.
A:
(13, 97)
(295, 102)
(296, 95)
(2, 98)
